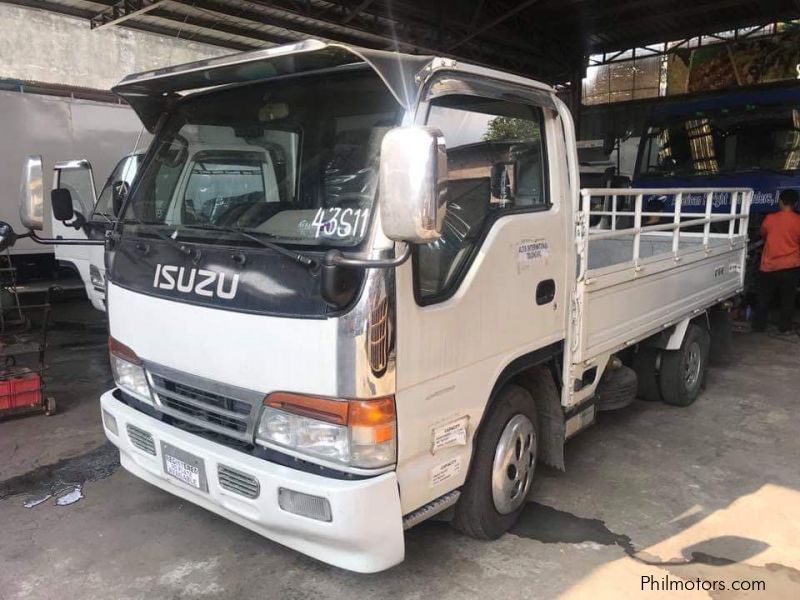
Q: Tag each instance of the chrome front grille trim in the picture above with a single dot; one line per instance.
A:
(203, 403)
(181, 395)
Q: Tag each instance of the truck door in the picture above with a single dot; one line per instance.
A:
(77, 177)
(490, 290)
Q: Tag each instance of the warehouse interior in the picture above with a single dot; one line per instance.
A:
(652, 498)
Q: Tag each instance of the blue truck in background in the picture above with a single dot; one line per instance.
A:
(740, 138)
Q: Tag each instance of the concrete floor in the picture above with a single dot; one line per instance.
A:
(711, 491)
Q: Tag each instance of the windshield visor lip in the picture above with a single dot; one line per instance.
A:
(150, 93)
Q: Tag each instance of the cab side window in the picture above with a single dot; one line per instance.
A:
(496, 165)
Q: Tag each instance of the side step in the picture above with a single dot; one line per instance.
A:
(430, 509)
(617, 389)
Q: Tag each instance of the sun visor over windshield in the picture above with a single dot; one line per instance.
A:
(149, 93)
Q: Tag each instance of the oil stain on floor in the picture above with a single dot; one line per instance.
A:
(94, 465)
(552, 526)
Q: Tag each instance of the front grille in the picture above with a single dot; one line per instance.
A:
(203, 403)
(210, 399)
(141, 439)
(238, 482)
(205, 415)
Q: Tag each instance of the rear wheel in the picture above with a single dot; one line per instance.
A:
(683, 371)
(502, 467)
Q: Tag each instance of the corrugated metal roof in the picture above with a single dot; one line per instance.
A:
(549, 39)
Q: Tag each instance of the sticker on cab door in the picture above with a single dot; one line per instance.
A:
(531, 251)
(445, 471)
(449, 435)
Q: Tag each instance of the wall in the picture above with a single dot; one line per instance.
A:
(41, 46)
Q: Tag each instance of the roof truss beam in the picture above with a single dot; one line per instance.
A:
(122, 11)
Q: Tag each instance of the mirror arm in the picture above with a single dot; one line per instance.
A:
(77, 222)
(63, 242)
(335, 258)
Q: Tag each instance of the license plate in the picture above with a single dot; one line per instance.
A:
(184, 467)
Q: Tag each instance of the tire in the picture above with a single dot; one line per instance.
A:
(477, 513)
(721, 337)
(645, 363)
(617, 389)
(683, 370)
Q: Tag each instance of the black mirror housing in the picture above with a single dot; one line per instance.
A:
(61, 199)
(610, 140)
(7, 236)
(339, 285)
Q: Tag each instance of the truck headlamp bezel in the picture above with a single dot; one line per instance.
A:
(359, 434)
(129, 374)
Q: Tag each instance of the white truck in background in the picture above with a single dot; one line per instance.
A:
(329, 366)
(66, 127)
(96, 214)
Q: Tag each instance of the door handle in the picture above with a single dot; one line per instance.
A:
(545, 291)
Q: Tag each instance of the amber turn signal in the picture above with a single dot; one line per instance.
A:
(357, 413)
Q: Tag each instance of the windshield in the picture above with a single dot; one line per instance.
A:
(730, 140)
(295, 161)
(125, 171)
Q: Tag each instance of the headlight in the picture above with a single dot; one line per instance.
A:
(128, 372)
(96, 277)
(356, 433)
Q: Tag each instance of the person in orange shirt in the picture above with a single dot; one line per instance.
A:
(780, 262)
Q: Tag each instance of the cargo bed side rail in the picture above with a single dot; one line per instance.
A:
(679, 222)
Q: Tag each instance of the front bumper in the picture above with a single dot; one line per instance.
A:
(365, 533)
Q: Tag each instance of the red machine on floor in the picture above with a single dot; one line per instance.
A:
(22, 352)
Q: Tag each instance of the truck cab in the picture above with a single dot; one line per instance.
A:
(322, 394)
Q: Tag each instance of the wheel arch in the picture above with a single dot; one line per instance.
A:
(672, 337)
(537, 372)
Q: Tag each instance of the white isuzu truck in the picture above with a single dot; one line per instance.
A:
(350, 289)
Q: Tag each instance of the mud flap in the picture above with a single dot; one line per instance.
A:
(539, 382)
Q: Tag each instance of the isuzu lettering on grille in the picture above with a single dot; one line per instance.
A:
(196, 281)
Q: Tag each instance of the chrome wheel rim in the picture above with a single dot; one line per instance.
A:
(514, 463)
(692, 365)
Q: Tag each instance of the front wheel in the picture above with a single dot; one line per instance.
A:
(502, 467)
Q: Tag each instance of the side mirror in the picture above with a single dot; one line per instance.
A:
(413, 183)
(609, 143)
(61, 199)
(31, 194)
(499, 181)
(621, 181)
(7, 236)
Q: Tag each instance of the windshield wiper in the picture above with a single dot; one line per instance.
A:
(296, 256)
(299, 257)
